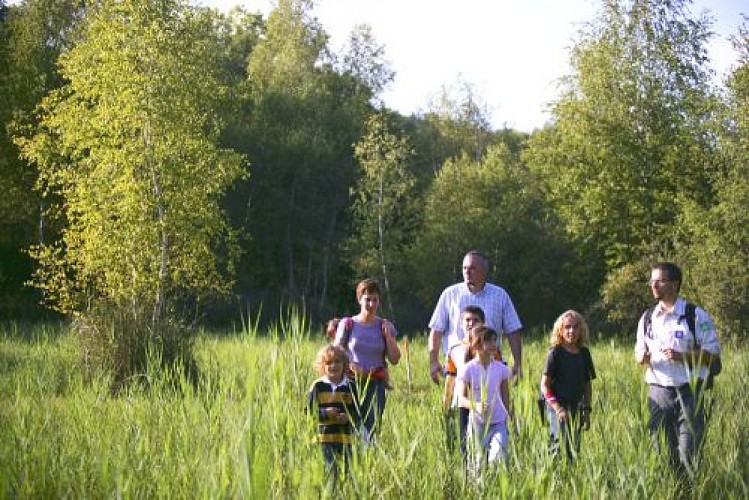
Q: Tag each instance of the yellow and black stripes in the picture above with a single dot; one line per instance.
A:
(324, 397)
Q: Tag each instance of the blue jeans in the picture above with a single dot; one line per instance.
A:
(570, 433)
(489, 443)
(371, 405)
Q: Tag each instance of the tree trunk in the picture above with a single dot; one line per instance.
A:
(289, 243)
(381, 237)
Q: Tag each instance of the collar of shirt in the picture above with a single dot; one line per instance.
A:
(475, 294)
(678, 308)
(342, 383)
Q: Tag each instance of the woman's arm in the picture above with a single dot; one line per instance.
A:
(392, 351)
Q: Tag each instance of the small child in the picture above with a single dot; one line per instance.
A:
(333, 398)
(566, 382)
(482, 387)
(332, 329)
(471, 317)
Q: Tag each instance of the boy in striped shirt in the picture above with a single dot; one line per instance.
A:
(332, 398)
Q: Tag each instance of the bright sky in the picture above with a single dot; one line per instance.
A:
(511, 51)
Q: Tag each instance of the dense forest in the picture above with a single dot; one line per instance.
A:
(164, 160)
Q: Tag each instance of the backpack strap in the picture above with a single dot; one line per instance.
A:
(647, 320)
(690, 313)
(348, 325)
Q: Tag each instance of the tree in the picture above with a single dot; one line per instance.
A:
(495, 205)
(714, 240)
(630, 136)
(462, 119)
(302, 119)
(383, 219)
(127, 156)
(364, 59)
(32, 35)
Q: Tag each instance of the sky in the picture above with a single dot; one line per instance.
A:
(511, 51)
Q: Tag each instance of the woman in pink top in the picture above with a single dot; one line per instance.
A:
(482, 387)
(370, 343)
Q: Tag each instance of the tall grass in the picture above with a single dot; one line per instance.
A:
(243, 431)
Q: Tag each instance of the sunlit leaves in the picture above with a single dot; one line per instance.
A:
(128, 145)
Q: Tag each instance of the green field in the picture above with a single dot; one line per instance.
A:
(243, 432)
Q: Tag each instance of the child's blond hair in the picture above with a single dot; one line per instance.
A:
(330, 353)
(557, 333)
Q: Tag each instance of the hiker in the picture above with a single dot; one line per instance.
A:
(371, 344)
(482, 387)
(445, 328)
(566, 383)
(677, 357)
(332, 398)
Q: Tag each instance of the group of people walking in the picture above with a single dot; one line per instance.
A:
(676, 342)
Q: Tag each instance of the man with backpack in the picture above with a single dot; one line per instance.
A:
(678, 344)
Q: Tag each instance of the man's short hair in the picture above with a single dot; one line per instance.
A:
(671, 270)
(476, 310)
(481, 256)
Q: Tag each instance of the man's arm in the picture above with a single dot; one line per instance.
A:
(642, 353)
(435, 343)
(516, 346)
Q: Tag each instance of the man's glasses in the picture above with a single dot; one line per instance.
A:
(658, 282)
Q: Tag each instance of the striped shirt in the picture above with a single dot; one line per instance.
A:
(324, 395)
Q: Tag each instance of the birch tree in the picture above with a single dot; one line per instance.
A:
(383, 215)
(128, 161)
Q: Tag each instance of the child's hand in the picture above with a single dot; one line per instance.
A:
(337, 415)
(562, 414)
(585, 416)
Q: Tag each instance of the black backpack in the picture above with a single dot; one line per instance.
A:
(690, 314)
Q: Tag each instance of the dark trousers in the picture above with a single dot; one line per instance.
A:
(456, 426)
(371, 405)
(334, 454)
(677, 418)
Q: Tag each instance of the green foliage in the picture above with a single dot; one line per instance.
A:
(127, 159)
(630, 137)
(301, 121)
(128, 149)
(633, 142)
(384, 212)
(716, 239)
(364, 59)
(32, 35)
(625, 295)
(244, 432)
(494, 205)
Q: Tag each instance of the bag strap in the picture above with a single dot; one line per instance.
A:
(348, 325)
(690, 313)
(647, 319)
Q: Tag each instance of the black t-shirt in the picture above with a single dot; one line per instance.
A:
(569, 372)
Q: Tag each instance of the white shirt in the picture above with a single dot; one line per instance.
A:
(669, 329)
(492, 299)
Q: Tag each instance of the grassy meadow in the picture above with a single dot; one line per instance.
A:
(243, 432)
